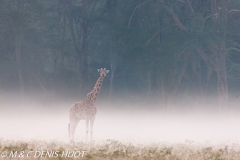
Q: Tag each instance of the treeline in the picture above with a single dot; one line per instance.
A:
(157, 47)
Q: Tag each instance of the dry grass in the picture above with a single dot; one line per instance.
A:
(111, 149)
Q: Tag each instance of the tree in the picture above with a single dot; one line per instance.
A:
(82, 18)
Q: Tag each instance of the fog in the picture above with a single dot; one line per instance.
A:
(129, 122)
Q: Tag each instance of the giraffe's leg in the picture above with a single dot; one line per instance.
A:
(69, 131)
(91, 126)
(72, 127)
(87, 122)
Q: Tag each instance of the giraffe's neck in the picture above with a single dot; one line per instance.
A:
(97, 88)
(92, 96)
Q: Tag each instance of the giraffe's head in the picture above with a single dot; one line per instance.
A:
(103, 72)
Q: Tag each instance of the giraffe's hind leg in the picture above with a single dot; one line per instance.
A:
(87, 122)
(91, 127)
(92, 119)
(72, 128)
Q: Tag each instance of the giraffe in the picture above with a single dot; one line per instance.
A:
(85, 109)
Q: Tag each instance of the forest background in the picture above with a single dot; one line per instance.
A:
(162, 50)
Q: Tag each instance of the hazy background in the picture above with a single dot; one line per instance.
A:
(137, 122)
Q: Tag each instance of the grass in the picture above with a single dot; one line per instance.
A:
(112, 149)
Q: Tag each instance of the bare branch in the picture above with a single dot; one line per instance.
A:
(134, 12)
(234, 49)
(94, 5)
(205, 58)
(175, 18)
(206, 18)
(213, 49)
(156, 35)
(234, 10)
(70, 19)
(189, 6)
(91, 32)
(100, 43)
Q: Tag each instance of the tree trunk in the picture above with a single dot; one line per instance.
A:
(18, 45)
(18, 49)
(84, 57)
(205, 86)
(222, 78)
(220, 53)
(197, 80)
(81, 27)
(178, 80)
(114, 58)
(111, 82)
(84, 47)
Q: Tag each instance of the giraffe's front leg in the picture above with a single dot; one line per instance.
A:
(91, 127)
(87, 122)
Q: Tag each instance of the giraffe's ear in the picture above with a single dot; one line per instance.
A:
(98, 70)
(107, 71)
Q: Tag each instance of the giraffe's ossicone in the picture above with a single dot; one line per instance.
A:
(85, 109)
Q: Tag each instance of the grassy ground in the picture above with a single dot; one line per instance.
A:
(111, 149)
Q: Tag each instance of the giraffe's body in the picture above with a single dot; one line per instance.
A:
(85, 109)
